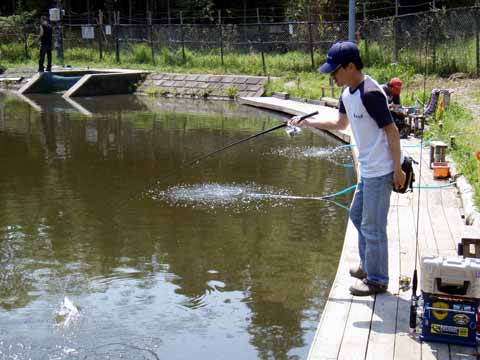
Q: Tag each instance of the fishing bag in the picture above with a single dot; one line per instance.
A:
(407, 167)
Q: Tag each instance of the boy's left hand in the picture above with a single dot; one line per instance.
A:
(399, 178)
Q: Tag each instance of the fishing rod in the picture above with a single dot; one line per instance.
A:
(414, 298)
(292, 130)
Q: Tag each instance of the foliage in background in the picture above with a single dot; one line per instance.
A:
(19, 20)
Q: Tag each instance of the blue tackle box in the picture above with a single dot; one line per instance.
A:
(448, 319)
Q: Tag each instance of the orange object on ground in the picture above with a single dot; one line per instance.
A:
(441, 170)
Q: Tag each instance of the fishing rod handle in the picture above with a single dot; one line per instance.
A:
(308, 115)
(413, 315)
(301, 118)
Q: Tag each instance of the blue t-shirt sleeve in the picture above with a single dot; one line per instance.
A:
(341, 107)
(376, 106)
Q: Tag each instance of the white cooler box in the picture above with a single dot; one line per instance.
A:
(455, 276)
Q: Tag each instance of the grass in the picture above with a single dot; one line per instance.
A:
(444, 59)
(476, 96)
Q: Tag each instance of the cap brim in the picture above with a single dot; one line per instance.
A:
(327, 68)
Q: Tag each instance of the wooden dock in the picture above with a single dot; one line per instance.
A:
(377, 327)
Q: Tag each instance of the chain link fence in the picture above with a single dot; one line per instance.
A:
(446, 41)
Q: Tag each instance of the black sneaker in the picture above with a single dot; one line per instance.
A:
(358, 272)
(366, 288)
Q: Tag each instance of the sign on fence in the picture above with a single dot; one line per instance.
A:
(108, 30)
(54, 14)
(88, 32)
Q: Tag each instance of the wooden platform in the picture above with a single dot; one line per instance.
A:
(92, 82)
(377, 327)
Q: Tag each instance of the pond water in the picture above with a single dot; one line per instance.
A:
(110, 247)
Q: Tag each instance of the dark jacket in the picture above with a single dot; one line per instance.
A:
(46, 39)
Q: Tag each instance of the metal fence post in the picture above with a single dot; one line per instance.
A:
(182, 38)
(395, 33)
(25, 43)
(261, 43)
(477, 38)
(434, 38)
(150, 35)
(364, 31)
(117, 44)
(100, 30)
(221, 35)
(310, 42)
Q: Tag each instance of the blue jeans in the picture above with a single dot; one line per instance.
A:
(369, 212)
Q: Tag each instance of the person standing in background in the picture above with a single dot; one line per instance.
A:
(45, 38)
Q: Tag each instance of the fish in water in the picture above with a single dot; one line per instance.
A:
(67, 313)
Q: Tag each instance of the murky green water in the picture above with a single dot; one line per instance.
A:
(214, 262)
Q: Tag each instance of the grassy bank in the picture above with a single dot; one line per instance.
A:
(459, 122)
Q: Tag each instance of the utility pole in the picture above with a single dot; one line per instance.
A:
(395, 31)
(60, 34)
(364, 30)
(351, 20)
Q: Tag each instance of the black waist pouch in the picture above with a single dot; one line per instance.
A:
(407, 167)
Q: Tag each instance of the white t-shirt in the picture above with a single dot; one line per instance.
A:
(367, 110)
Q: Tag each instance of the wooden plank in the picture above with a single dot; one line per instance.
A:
(357, 328)
(11, 79)
(432, 351)
(381, 342)
(406, 347)
(458, 352)
(443, 236)
(329, 335)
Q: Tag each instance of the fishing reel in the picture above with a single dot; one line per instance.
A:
(293, 130)
(404, 283)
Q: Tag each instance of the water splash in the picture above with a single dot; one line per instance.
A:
(67, 314)
(340, 155)
(214, 196)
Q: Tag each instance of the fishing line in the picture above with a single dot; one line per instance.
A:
(197, 160)
(426, 143)
(295, 197)
(435, 186)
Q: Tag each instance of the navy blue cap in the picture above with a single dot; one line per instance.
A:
(341, 53)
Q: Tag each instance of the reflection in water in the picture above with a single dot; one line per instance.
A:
(154, 280)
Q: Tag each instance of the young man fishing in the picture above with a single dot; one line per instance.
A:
(363, 105)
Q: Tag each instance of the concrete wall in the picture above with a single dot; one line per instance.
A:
(203, 86)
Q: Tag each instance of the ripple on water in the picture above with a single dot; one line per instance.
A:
(120, 351)
(113, 350)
